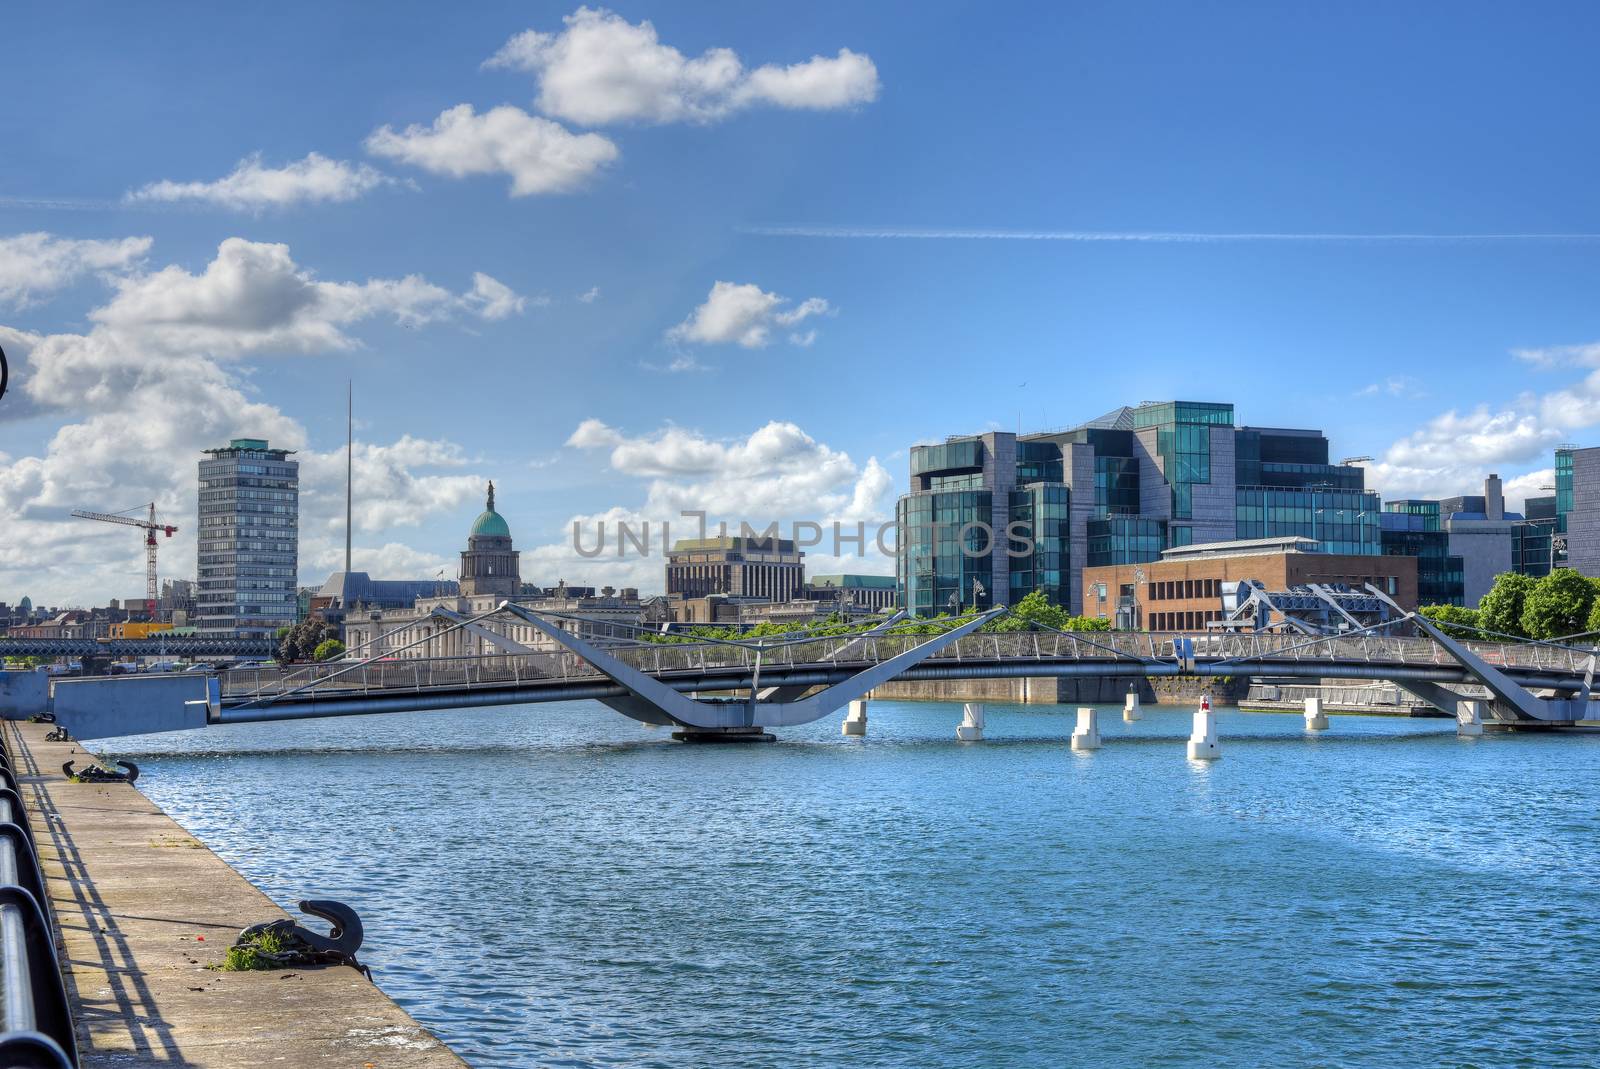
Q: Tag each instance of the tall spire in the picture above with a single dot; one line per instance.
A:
(349, 463)
(490, 506)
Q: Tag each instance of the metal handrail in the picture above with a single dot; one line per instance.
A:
(36, 1027)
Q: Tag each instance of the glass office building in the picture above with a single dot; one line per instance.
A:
(1120, 489)
(249, 540)
(1415, 529)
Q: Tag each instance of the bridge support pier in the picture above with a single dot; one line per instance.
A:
(1203, 744)
(1130, 707)
(855, 721)
(1316, 719)
(971, 727)
(1469, 719)
(1087, 737)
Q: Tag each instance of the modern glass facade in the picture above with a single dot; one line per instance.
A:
(937, 561)
(1343, 521)
(1125, 540)
(1183, 442)
(249, 540)
(1046, 509)
(1414, 529)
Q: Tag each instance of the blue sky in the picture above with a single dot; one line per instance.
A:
(643, 172)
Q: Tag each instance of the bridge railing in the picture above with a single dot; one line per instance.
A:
(666, 659)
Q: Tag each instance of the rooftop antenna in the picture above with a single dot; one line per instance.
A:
(349, 463)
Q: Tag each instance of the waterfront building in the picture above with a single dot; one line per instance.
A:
(1117, 490)
(1578, 509)
(249, 537)
(759, 567)
(1483, 533)
(1413, 528)
(859, 593)
(425, 627)
(1185, 588)
(1534, 539)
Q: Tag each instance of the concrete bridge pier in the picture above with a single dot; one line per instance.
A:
(1087, 736)
(1316, 719)
(1469, 719)
(855, 720)
(1130, 707)
(971, 727)
(1203, 744)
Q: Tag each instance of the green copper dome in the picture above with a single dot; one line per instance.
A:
(490, 523)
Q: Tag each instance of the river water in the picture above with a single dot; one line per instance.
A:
(555, 885)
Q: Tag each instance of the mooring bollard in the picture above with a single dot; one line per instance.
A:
(1203, 742)
(1469, 719)
(971, 727)
(1316, 719)
(855, 721)
(1130, 707)
(1087, 737)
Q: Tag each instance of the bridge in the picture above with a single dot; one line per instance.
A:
(154, 646)
(725, 689)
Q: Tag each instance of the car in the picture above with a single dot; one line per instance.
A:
(162, 666)
(200, 667)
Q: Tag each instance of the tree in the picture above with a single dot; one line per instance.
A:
(1593, 623)
(1453, 620)
(1501, 608)
(301, 641)
(1558, 605)
(328, 650)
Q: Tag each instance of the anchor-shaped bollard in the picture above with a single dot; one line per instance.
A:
(302, 946)
(96, 774)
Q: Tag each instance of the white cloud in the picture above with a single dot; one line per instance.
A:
(540, 156)
(1557, 356)
(778, 474)
(603, 69)
(493, 298)
(745, 314)
(1453, 452)
(148, 389)
(250, 186)
(32, 265)
(1393, 386)
(590, 295)
(680, 364)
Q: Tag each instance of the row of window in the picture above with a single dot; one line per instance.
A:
(1182, 621)
(1184, 589)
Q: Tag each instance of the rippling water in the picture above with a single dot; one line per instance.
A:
(554, 885)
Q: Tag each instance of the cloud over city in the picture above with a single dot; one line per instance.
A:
(602, 69)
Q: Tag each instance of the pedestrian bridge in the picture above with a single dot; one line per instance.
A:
(734, 687)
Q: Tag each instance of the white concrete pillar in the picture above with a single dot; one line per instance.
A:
(1087, 737)
(1130, 707)
(1316, 719)
(971, 727)
(855, 721)
(1203, 741)
(1469, 719)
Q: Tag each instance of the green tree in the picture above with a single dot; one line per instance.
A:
(1453, 620)
(1501, 608)
(1593, 623)
(328, 650)
(301, 641)
(1559, 604)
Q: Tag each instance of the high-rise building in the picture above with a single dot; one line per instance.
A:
(1120, 489)
(249, 540)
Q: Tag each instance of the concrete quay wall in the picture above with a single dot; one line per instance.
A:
(142, 908)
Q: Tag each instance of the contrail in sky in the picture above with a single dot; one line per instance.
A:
(57, 204)
(1154, 237)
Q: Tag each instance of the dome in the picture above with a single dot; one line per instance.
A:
(490, 524)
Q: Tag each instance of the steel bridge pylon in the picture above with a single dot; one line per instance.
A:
(651, 701)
